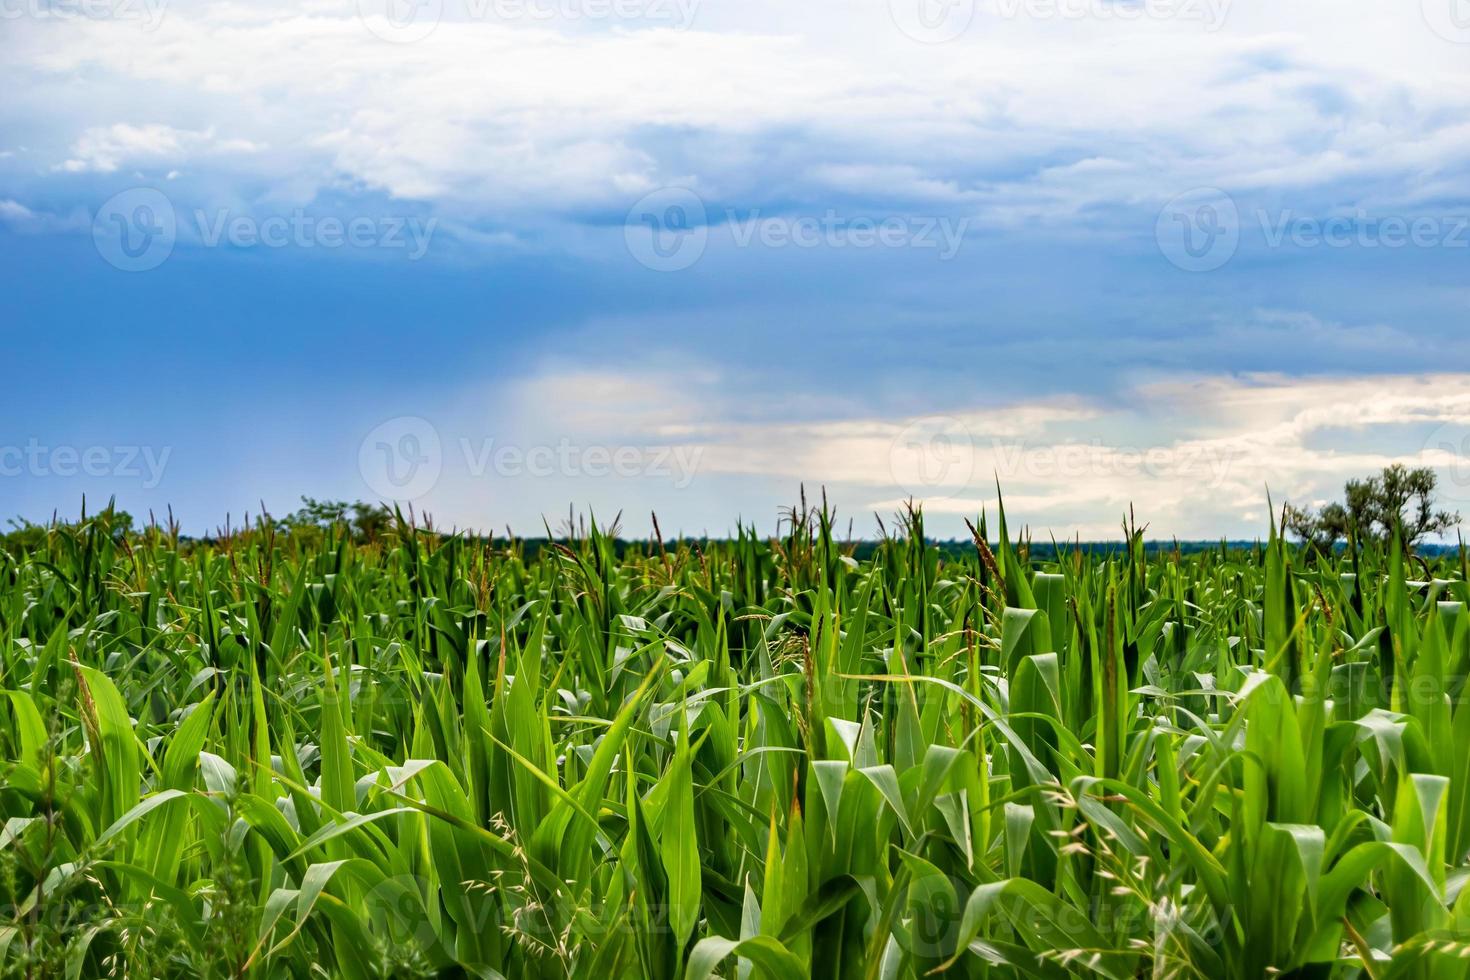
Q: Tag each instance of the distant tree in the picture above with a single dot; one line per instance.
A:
(370, 521)
(27, 535)
(23, 535)
(1399, 498)
(317, 513)
(365, 522)
(1318, 530)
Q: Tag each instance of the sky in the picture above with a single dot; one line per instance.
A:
(499, 259)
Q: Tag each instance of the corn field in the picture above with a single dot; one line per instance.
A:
(425, 755)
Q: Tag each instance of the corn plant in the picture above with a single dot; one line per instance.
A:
(269, 756)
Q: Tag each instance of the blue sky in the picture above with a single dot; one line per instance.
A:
(499, 257)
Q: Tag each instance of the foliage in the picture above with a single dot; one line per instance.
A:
(422, 755)
(28, 535)
(365, 522)
(1399, 501)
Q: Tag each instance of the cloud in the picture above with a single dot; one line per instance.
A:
(1192, 455)
(20, 218)
(1056, 138)
(15, 212)
(104, 148)
(1025, 117)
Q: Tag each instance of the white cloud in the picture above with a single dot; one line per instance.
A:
(1192, 455)
(15, 211)
(1028, 123)
(21, 218)
(1021, 118)
(104, 148)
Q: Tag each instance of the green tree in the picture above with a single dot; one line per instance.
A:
(1398, 498)
(365, 522)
